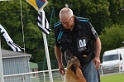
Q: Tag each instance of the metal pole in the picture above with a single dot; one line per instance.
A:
(44, 76)
(47, 57)
(1, 65)
(101, 69)
(23, 34)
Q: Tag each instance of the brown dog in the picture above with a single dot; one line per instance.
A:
(73, 72)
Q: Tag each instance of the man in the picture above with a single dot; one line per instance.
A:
(77, 35)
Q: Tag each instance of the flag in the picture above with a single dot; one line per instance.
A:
(38, 4)
(9, 41)
(43, 23)
(42, 20)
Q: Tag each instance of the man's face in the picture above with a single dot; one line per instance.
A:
(67, 22)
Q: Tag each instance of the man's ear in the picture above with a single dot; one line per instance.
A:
(73, 17)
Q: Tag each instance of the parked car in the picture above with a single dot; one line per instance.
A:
(113, 60)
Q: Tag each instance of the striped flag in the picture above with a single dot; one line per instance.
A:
(38, 4)
(43, 23)
(9, 41)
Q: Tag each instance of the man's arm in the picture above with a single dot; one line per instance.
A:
(58, 55)
(97, 52)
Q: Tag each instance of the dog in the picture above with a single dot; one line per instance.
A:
(73, 71)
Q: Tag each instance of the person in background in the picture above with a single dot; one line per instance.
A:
(77, 35)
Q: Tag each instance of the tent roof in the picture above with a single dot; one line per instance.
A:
(11, 54)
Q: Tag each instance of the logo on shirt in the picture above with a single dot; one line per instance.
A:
(81, 44)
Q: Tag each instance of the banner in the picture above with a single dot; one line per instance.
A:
(38, 4)
(43, 23)
(9, 41)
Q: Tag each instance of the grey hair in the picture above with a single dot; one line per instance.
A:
(65, 12)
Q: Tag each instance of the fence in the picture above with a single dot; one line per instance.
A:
(40, 76)
(111, 69)
(43, 76)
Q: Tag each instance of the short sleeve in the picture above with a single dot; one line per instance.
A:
(94, 34)
(56, 33)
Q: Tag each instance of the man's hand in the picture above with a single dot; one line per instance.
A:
(97, 62)
(61, 69)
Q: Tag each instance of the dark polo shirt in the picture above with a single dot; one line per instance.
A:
(79, 41)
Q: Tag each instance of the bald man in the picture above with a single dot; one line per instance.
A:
(77, 35)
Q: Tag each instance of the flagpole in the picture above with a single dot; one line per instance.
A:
(47, 57)
(43, 27)
(1, 65)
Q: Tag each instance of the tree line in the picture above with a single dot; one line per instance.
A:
(107, 17)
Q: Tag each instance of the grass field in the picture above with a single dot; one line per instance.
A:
(106, 78)
(110, 78)
(113, 78)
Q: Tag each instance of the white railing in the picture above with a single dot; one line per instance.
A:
(39, 76)
(112, 69)
(43, 76)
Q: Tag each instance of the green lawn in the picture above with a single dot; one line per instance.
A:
(106, 78)
(113, 78)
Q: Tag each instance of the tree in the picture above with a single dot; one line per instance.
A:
(112, 37)
(102, 14)
(95, 10)
(117, 11)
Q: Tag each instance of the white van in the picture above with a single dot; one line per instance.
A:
(113, 60)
